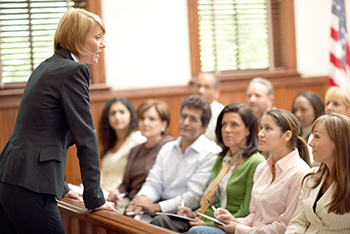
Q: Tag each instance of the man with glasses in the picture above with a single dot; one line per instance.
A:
(182, 168)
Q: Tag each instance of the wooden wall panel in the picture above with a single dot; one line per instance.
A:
(286, 89)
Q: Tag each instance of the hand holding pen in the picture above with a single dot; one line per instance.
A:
(211, 205)
(182, 204)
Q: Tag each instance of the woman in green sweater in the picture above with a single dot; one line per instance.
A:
(232, 174)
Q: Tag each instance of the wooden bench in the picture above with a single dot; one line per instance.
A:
(78, 220)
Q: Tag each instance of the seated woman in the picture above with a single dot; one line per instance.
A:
(154, 118)
(324, 205)
(337, 101)
(277, 181)
(118, 134)
(307, 107)
(232, 173)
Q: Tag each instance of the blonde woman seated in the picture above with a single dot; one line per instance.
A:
(232, 173)
(277, 182)
(337, 101)
(154, 118)
(324, 203)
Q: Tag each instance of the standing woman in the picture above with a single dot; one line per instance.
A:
(154, 118)
(277, 181)
(119, 134)
(324, 205)
(53, 115)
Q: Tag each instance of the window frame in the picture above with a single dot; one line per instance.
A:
(97, 71)
(287, 46)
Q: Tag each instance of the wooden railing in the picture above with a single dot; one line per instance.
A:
(78, 220)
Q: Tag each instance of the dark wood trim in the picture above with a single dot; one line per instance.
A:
(193, 25)
(288, 34)
(98, 73)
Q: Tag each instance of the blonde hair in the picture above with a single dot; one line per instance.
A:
(73, 30)
(338, 94)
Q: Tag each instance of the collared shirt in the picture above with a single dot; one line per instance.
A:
(273, 203)
(175, 174)
(216, 109)
(306, 220)
(75, 58)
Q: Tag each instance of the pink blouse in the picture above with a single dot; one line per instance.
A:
(272, 204)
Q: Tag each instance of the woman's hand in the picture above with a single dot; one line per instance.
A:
(113, 196)
(74, 195)
(108, 206)
(230, 227)
(224, 216)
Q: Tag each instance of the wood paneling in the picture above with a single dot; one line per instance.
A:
(232, 90)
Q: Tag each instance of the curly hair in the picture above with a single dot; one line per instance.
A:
(107, 134)
(200, 103)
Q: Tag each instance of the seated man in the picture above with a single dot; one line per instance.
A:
(207, 85)
(182, 168)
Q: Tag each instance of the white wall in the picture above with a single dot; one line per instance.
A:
(312, 23)
(148, 41)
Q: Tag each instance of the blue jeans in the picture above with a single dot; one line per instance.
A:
(205, 230)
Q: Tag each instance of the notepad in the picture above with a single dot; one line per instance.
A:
(176, 216)
(211, 218)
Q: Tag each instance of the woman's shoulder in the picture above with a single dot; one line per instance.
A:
(167, 138)
(255, 159)
(136, 136)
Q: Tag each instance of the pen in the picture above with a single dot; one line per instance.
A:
(182, 203)
(141, 213)
(211, 205)
(123, 194)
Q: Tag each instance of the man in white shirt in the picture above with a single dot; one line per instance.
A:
(182, 168)
(207, 85)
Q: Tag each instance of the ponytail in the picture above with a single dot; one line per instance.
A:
(303, 150)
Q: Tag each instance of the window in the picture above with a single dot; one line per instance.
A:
(27, 28)
(229, 36)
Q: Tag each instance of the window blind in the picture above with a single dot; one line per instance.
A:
(233, 34)
(27, 28)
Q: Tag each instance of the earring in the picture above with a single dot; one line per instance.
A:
(162, 130)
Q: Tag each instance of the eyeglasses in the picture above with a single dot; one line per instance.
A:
(192, 119)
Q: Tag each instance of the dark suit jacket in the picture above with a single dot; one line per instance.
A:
(53, 115)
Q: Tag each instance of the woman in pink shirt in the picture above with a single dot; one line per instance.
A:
(277, 182)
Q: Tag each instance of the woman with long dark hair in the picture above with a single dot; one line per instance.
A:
(118, 133)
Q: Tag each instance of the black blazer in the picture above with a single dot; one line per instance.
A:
(53, 115)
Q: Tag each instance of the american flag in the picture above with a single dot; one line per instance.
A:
(339, 54)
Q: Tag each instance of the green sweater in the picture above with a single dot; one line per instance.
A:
(239, 186)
